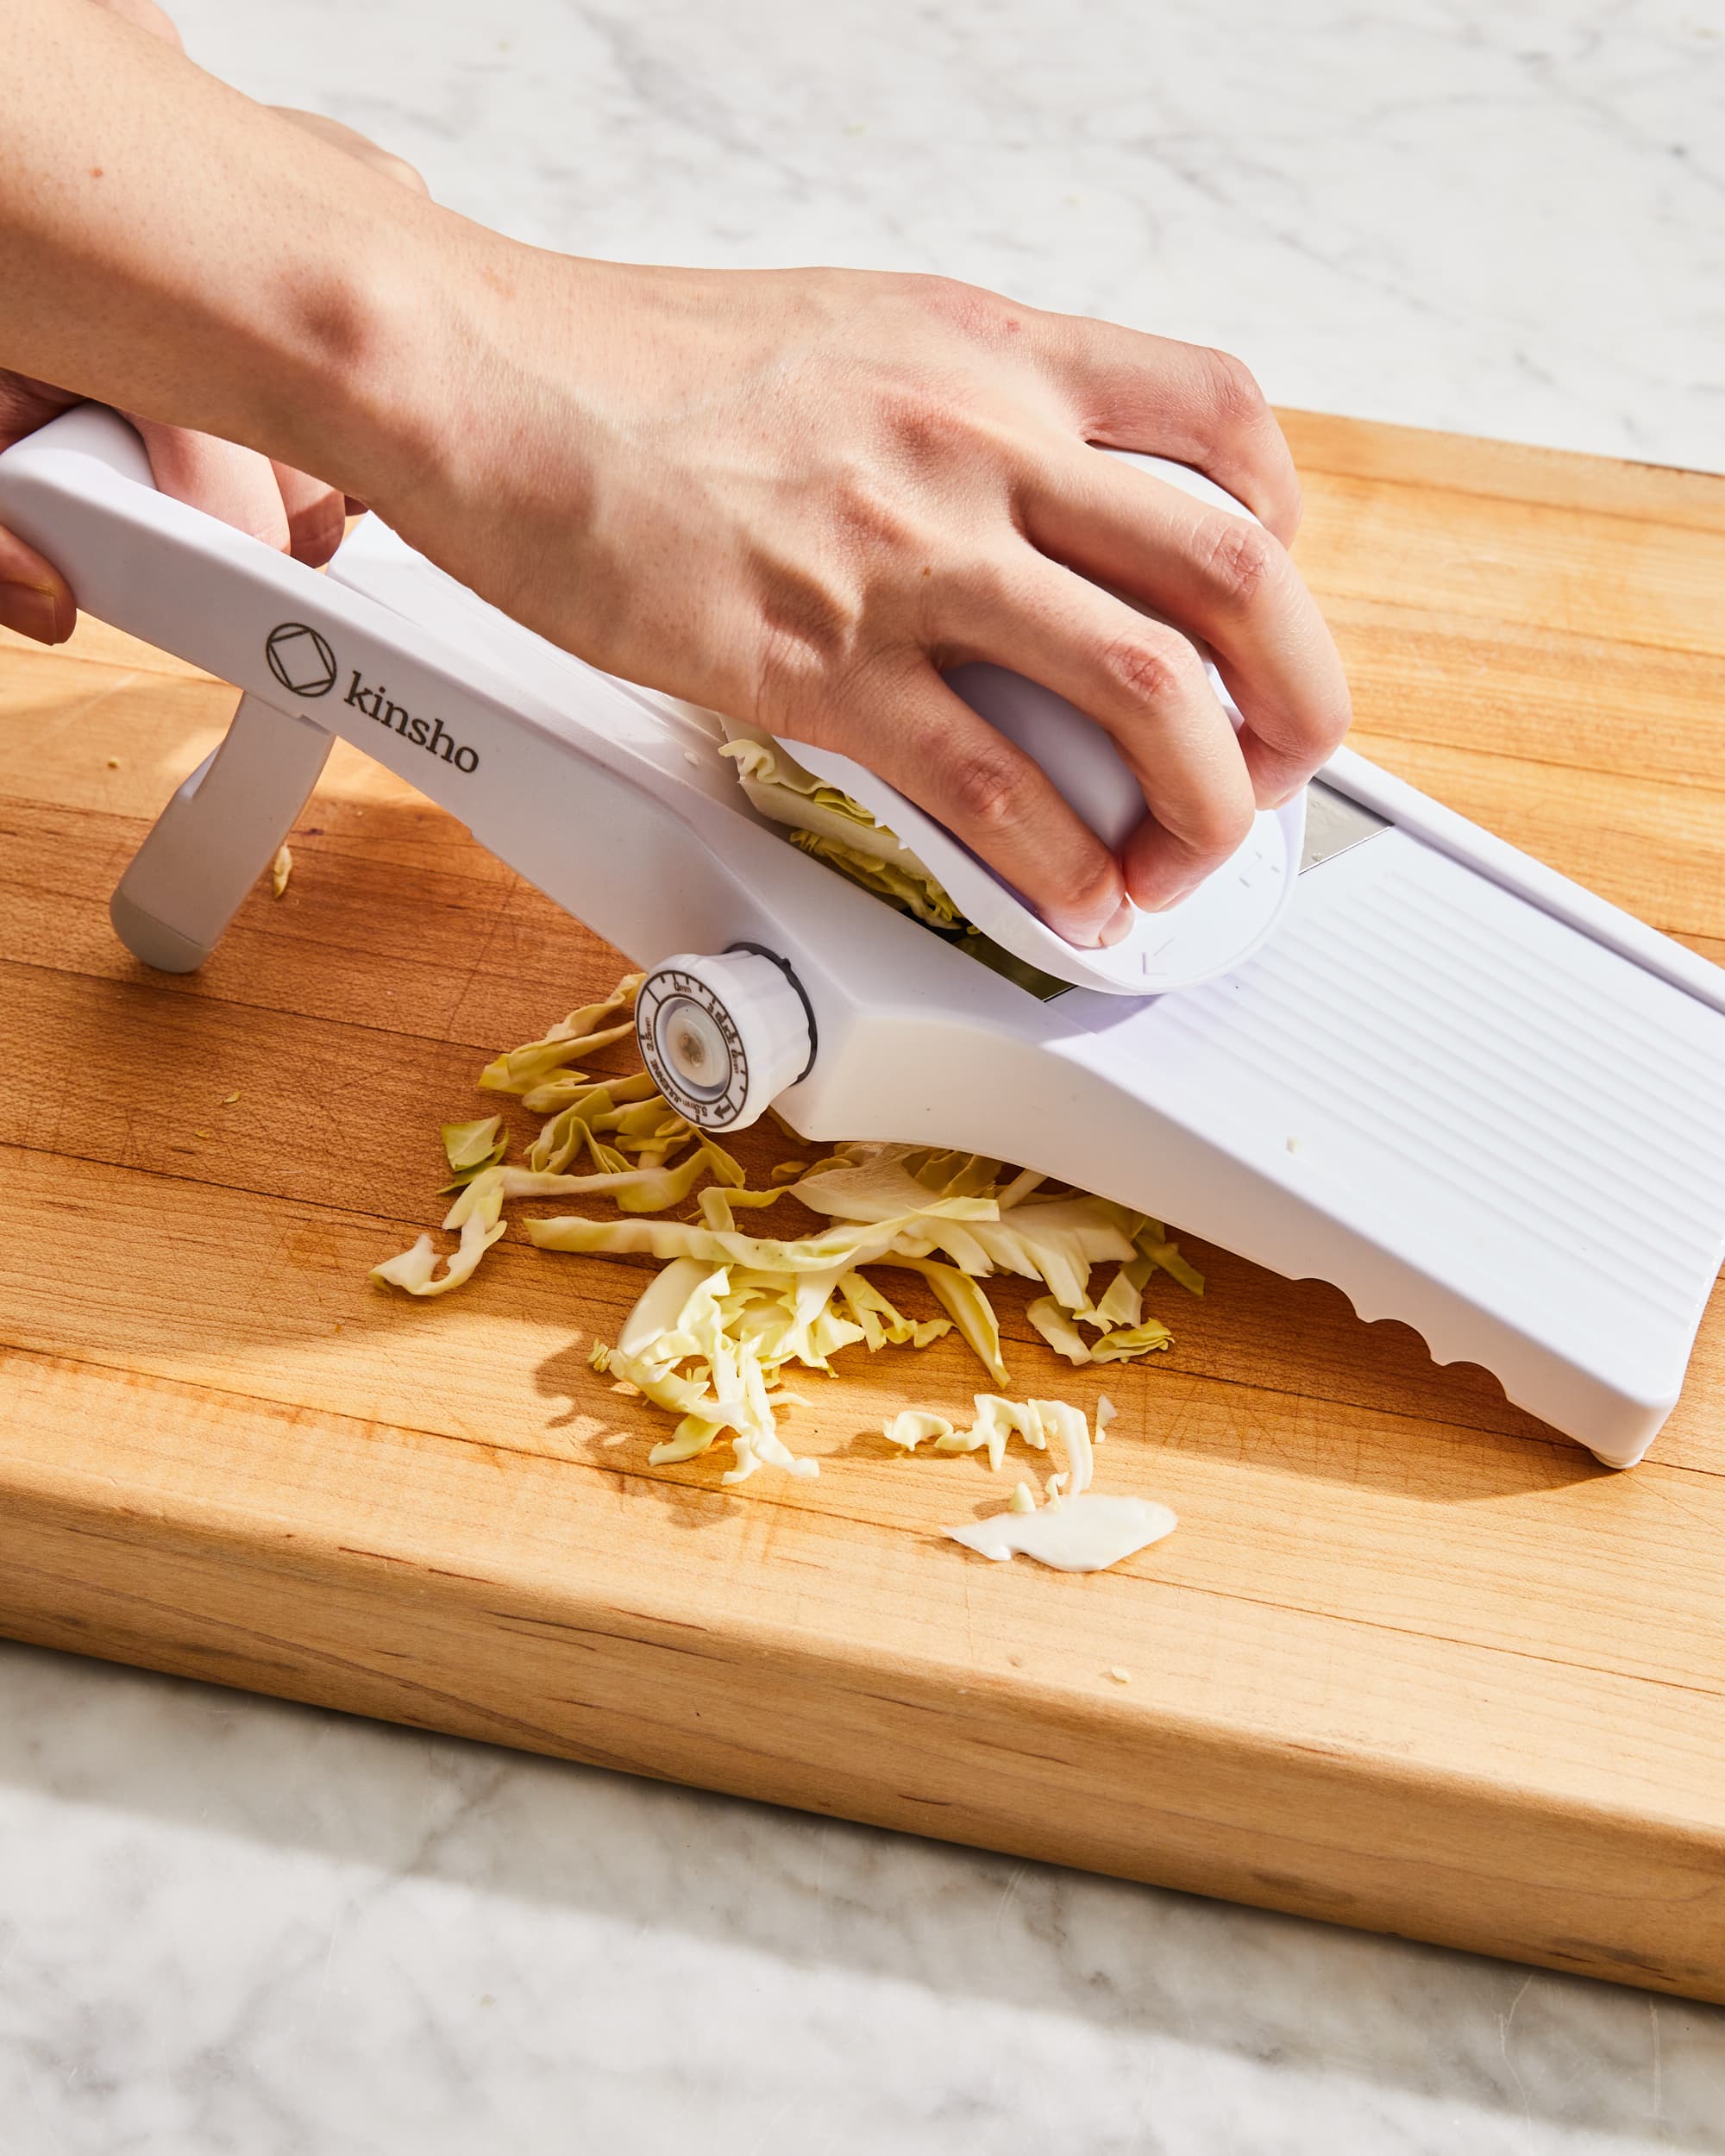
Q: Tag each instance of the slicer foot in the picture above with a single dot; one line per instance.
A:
(155, 942)
(216, 836)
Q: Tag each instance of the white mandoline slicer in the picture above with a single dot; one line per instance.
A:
(1469, 1094)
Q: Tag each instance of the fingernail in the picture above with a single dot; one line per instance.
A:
(1119, 925)
(33, 612)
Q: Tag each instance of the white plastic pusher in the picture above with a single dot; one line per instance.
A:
(1469, 1094)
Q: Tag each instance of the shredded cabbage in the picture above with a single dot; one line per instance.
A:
(523, 1069)
(912, 1425)
(719, 1327)
(999, 1420)
(825, 821)
(917, 891)
(1132, 1341)
(476, 1214)
(470, 1148)
(473, 1145)
(1057, 1327)
(780, 787)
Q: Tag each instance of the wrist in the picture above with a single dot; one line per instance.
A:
(469, 400)
(379, 347)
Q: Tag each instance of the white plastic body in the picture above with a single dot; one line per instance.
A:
(187, 880)
(1232, 912)
(1472, 1094)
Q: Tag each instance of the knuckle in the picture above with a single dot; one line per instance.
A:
(938, 427)
(801, 655)
(1149, 668)
(972, 309)
(917, 429)
(1241, 561)
(144, 15)
(869, 516)
(990, 785)
(1231, 389)
(796, 663)
(406, 175)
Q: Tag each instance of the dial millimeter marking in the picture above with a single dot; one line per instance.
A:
(682, 1027)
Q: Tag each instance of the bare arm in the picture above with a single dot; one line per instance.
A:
(794, 495)
(169, 247)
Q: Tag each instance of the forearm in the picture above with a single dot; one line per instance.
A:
(168, 246)
(796, 497)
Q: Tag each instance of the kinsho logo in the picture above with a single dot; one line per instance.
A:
(300, 659)
(429, 734)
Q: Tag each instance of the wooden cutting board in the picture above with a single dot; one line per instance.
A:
(1410, 1663)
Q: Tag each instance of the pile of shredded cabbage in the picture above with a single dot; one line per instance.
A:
(730, 1313)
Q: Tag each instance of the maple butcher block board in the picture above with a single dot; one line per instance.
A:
(1411, 1662)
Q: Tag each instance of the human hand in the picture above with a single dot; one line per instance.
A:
(285, 508)
(797, 496)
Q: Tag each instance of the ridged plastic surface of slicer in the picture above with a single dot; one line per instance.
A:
(1473, 1085)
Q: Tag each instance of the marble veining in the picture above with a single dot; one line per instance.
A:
(1508, 220)
(231, 1925)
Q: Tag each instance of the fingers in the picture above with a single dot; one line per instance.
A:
(288, 509)
(317, 515)
(1183, 401)
(235, 485)
(915, 732)
(1219, 577)
(1144, 682)
(35, 599)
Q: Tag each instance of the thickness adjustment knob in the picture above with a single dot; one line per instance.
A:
(723, 1037)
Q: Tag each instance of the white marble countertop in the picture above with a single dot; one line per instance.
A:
(231, 1925)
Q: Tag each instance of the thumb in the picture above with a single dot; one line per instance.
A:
(236, 485)
(35, 599)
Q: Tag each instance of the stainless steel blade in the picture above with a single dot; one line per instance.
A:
(1333, 823)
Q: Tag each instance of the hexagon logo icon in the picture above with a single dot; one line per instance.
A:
(300, 659)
